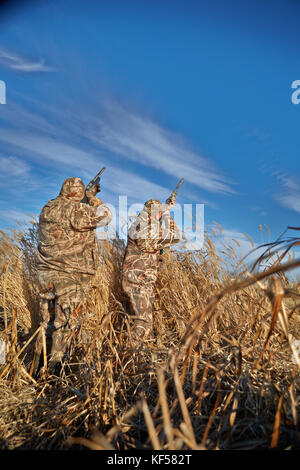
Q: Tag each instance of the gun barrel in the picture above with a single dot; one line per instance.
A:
(93, 183)
(179, 184)
(174, 193)
(100, 172)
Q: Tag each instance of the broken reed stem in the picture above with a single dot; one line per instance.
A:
(6, 369)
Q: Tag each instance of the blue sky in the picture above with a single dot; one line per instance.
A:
(154, 91)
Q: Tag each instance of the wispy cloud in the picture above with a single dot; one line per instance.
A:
(135, 187)
(15, 62)
(143, 141)
(50, 148)
(19, 183)
(57, 152)
(17, 116)
(11, 167)
(289, 195)
(62, 139)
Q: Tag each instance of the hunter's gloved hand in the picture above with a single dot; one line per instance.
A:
(93, 191)
(171, 202)
(91, 196)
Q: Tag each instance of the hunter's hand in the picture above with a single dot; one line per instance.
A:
(171, 203)
(93, 192)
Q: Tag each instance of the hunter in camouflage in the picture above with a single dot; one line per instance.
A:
(152, 231)
(67, 258)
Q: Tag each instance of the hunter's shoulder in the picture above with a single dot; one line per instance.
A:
(58, 207)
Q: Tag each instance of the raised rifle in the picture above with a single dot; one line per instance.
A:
(174, 193)
(169, 201)
(92, 184)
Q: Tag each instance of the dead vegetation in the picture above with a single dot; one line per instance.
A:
(223, 372)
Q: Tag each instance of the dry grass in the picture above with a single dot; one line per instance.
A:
(219, 376)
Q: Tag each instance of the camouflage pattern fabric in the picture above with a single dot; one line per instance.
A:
(140, 301)
(66, 228)
(146, 237)
(67, 258)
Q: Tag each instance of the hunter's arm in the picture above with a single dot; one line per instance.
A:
(86, 217)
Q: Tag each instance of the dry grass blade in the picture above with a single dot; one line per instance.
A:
(194, 373)
(184, 409)
(150, 426)
(283, 317)
(44, 348)
(293, 404)
(276, 428)
(201, 389)
(165, 409)
(227, 401)
(276, 298)
(232, 418)
(212, 415)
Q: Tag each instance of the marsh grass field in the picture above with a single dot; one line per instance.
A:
(220, 374)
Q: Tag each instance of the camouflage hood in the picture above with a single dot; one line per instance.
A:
(153, 206)
(73, 188)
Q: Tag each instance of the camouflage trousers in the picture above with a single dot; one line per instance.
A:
(62, 300)
(140, 300)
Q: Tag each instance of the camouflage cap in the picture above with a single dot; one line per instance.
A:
(73, 188)
(152, 202)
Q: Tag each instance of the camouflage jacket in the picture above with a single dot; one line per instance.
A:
(67, 240)
(145, 240)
